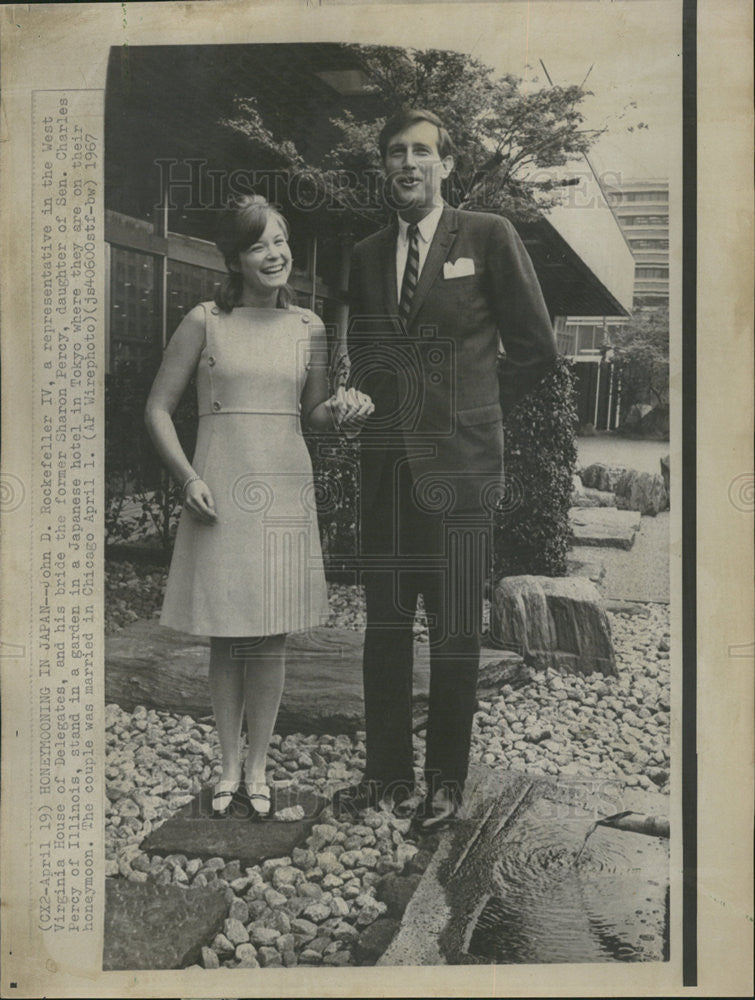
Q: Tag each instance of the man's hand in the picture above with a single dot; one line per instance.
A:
(349, 409)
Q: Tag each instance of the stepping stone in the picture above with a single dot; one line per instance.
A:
(149, 926)
(505, 887)
(604, 526)
(585, 560)
(157, 667)
(194, 833)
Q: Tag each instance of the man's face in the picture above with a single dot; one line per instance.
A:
(414, 169)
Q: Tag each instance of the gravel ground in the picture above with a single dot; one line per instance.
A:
(644, 455)
(330, 902)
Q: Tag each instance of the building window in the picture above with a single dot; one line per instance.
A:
(188, 285)
(651, 272)
(565, 342)
(135, 328)
(644, 220)
(646, 196)
(580, 338)
(649, 244)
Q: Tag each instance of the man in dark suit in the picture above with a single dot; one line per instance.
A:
(432, 297)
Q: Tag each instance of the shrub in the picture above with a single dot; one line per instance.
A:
(540, 455)
(335, 466)
(140, 497)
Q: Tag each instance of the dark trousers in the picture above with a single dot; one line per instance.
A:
(444, 555)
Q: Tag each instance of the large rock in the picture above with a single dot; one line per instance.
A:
(604, 526)
(150, 926)
(600, 476)
(146, 664)
(556, 622)
(655, 424)
(585, 496)
(641, 491)
(158, 667)
(635, 415)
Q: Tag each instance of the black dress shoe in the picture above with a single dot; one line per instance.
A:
(223, 797)
(355, 799)
(407, 808)
(438, 812)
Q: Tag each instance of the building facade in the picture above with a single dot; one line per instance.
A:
(642, 210)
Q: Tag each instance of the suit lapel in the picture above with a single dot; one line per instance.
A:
(444, 237)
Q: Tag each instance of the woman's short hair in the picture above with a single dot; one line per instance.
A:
(243, 221)
(409, 116)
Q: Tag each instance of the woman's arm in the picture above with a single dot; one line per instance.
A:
(320, 410)
(178, 365)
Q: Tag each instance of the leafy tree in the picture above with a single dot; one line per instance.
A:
(503, 135)
(641, 354)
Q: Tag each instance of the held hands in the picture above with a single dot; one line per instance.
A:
(349, 410)
(198, 501)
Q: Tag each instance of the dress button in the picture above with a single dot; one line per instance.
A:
(305, 319)
(215, 311)
(216, 406)
(211, 361)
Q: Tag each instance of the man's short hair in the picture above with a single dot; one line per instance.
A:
(409, 116)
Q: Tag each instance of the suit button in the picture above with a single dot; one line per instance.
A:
(211, 361)
(215, 311)
(305, 319)
(216, 406)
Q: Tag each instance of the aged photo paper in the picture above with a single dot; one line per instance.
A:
(68, 241)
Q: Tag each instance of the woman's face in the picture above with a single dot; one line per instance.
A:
(266, 265)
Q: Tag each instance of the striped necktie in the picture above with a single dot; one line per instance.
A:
(411, 273)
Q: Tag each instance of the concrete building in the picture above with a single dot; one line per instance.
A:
(642, 210)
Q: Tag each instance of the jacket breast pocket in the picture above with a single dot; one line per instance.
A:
(462, 290)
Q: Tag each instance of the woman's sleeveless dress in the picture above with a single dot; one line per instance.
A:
(258, 570)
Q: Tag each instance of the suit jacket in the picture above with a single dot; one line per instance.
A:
(435, 382)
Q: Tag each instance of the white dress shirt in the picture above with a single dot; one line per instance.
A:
(426, 230)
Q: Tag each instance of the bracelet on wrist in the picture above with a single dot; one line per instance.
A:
(192, 479)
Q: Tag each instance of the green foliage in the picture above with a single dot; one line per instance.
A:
(540, 455)
(641, 355)
(140, 498)
(503, 134)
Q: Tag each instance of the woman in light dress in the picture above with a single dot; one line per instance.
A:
(247, 566)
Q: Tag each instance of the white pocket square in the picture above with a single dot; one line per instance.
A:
(459, 268)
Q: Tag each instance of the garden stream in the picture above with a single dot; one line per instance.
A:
(553, 898)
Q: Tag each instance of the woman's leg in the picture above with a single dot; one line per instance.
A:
(227, 696)
(264, 675)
